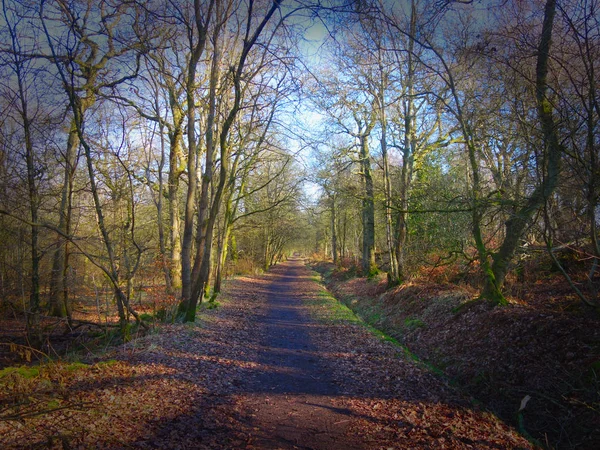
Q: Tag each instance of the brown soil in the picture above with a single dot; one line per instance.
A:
(278, 365)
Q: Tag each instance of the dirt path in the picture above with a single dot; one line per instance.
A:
(276, 366)
(291, 403)
(321, 382)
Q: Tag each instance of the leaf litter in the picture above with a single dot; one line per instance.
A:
(277, 365)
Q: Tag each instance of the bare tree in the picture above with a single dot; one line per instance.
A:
(251, 34)
(26, 103)
(198, 33)
(87, 67)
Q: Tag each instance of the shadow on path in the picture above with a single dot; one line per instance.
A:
(279, 391)
(264, 380)
(293, 403)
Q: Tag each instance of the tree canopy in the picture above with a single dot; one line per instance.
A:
(187, 141)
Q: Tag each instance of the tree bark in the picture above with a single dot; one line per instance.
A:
(516, 224)
(207, 176)
(34, 335)
(58, 297)
(369, 264)
(393, 275)
(201, 281)
(334, 240)
(222, 252)
(175, 171)
(401, 232)
(159, 211)
(190, 204)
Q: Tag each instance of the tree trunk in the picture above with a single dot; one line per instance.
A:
(201, 269)
(516, 224)
(334, 243)
(33, 313)
(401, 232)
(222, 254)
(190, 204)
(159, 212)
(58, 287)
(192, 167)
(368, 211)
(200, 283)
(592, 189)
(207, 177)
(393, 275)
(173, 193)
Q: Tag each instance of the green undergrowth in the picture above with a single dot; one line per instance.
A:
(503, 356)
(16, 381)
(327, 308)
(33, 391)
(22, 371)
(42, 370)
(368, 312)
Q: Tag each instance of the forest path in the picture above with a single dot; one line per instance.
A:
(303, 374)
(291, 402)
(278, 365)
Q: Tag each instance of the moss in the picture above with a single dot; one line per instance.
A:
(212, 304)
(76, 366)
(491, 291)
(107, 363)
(147, 317)
(410, 355)
(53, 404)
(329, 309)
(412, 323)
(392, 282)
(367, 321)
(24, 372)
(126, 332)
(373, 316)
(373, 272)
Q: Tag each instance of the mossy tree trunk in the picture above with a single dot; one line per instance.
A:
(408, 154)
(550, 164)
(202, 20)
(369, 264)
(59, 290)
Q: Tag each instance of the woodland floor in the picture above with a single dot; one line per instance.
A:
(279, 364)
(534, 362)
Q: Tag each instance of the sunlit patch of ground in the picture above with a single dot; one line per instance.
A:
(230, 381)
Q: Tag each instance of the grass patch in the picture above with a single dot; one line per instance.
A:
(328, 309)
(107, 363)
(411, 323)
(410, 355)
(373, 272)
(76, 366)
(23, 371)
(145, 317)
(212, 304)
(336, 309)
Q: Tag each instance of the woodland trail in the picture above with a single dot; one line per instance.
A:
(291, 403)
(277, 366)
(314, 379)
